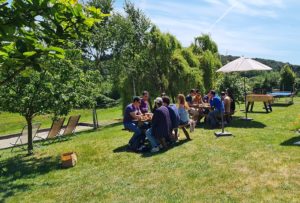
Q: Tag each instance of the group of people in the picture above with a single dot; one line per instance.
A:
(167, 117)
(213, 106)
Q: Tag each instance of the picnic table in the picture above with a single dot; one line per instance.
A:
(267, 99)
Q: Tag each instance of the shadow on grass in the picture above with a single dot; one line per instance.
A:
(238, 123)
(21, 168)
(179, 143)
(291, 142)
(112, 125)
(146, 154)
(282, 104)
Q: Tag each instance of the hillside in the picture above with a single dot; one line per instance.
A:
(276, 65)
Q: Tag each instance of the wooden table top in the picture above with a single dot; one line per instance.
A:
(260, 97)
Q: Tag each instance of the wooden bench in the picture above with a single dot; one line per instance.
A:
(186, 133)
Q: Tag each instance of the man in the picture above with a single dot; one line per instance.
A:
(144, 102)
(131, 116)
(227, 102)
(174, 116)
(189, 98)
(161, 125)
(216, 106)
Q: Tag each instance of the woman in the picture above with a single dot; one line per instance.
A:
(183, 108)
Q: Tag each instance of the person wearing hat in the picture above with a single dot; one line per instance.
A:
(161, 125)
(132, 114)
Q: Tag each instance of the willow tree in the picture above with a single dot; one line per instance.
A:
(207, 51)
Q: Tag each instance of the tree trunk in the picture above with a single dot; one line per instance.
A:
(30, 140)
(95, 118)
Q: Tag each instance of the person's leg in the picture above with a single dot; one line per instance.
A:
(137, 132)
(151, 138)
(210, 119)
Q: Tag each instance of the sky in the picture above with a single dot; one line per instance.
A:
(267, 29)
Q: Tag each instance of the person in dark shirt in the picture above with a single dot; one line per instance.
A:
(217, 107)
(161, 125)
(174, 116)
(131, 116)
(189, 98)
(144, 102)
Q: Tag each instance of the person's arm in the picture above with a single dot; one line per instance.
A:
(134, 115)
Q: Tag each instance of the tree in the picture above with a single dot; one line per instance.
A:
(288, 78)
(56, 89)
(207, 51)
(33, 29)
(234, 82)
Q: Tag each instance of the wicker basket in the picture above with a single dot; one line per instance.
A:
(68, 159)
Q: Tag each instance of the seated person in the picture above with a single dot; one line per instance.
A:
(217, 108)
(232, 103)
(132, 114)
(197, 113)
(161, 125)
(198, 98)
(174, 116)
(189, 98)
(227, 102)
(144, 102)
(183, 113)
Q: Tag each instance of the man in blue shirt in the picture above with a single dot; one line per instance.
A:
(216, 106)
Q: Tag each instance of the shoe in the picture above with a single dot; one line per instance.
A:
(141, 148)
(155, 149)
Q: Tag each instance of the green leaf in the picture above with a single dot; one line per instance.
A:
(56, 49)
(60, 56)
(89, 22)
(3, 54)
(29, 53)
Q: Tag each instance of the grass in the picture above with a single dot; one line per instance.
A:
(13, 123)
(258, 164)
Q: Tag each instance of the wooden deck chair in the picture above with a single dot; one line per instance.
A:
(23, 138)
(55, 129)
(71, 126)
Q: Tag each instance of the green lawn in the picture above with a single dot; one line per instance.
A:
(258, 164)
(13, 123)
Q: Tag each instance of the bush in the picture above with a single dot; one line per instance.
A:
(106, 102)
(235, 83)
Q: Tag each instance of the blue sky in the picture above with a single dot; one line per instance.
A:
(258, 28)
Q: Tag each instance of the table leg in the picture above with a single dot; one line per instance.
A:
(266, 107)
(247, 108)
(270, 106)
(252, 104)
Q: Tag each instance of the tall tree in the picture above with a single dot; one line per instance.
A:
(288, 78)
(207, 51)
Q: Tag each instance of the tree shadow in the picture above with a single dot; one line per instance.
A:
(282, 104)
(112, 125)
(291, 142)
(239, 123)
(23, 167)
(259, 112)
